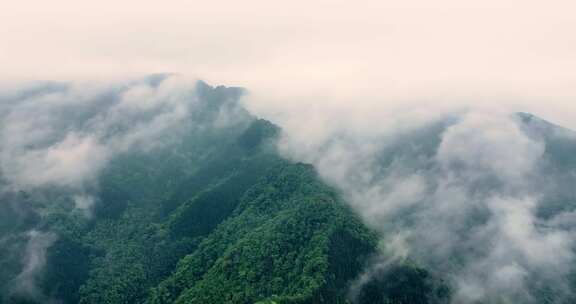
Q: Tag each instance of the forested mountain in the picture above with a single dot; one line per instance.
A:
(212, 213)
(213, 216)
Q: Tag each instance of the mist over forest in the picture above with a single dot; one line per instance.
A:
(264, 152)
(164, 189)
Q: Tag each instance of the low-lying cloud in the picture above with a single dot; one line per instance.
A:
(64, 134)
(34, 260)
(60, 136)
(454, 186)
(458, 192)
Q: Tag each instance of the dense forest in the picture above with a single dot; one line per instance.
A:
(210, 211)
(214, 216)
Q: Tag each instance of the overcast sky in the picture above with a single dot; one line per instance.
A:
(518, 52)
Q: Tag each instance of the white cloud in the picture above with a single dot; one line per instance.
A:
(33, 260)
(451, 189)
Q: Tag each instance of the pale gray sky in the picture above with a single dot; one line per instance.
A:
(388, 51)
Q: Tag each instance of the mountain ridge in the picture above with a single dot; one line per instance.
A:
(216, 214)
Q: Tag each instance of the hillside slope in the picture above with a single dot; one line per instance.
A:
(210, 212)
(215, 216)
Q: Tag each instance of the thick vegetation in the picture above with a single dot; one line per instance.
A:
(214, 217)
